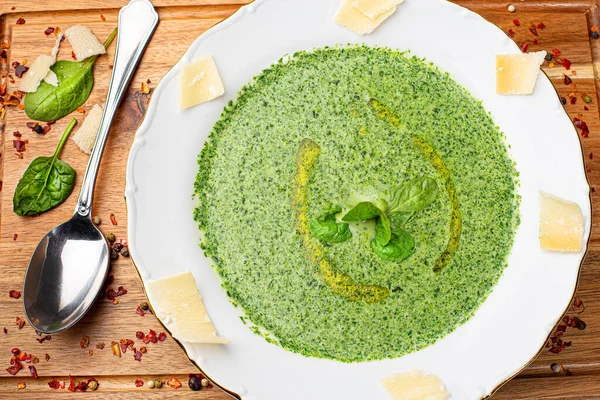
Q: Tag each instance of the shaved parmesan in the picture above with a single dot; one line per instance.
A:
(374, 8)
(177, 302)
(350, 17)
(561, 224)
(51, 78)
(200, 82)
(84, 42)
(59, 39)
(85, 138)
(415, 385)
(517, 73)
(38, 71)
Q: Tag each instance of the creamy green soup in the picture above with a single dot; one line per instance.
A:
(376, 118)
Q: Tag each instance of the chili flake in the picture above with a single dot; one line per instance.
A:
(555, 52)
(102, 18)
(20, 21)
(139, 383)
(524, 47)
(91, 352)
(567, 80)
(162, 336)
(113, 220)
(33, 371)
(84, 342)
(541, 25)
(15, 236)
(139, 311)
(594, 28)
(145, 88)
(43, 339)
(20, 322)
(137, 355)
(54, 384)
(533, 30)
(16, 367)
(71, 387)
(73, 55)
(47, 357)
(100, 345)
(511, 33)
(116, 350)
(5, 44)
(48, 31)
(535, 41)
(3, 89)
(516, 22)
(21, 385)
(5, 331)
(565, 62)
(579, 124)
(14, 294)
(174, 383)
(139, 335)
(20, 70)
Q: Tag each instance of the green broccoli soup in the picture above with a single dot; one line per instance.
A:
(357, 203)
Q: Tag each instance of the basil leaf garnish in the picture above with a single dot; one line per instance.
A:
(413, 196)
(326, 228)
(75, 83)
(46, 183)
(399, 248)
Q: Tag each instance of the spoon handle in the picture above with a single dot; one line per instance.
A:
(137, 22)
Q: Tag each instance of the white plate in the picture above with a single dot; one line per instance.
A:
(472, 361)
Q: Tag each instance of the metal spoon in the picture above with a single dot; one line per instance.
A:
(69, 265)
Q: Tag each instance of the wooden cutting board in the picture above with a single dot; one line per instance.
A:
(567, 26)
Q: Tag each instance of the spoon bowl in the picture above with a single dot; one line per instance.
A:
(66, 272)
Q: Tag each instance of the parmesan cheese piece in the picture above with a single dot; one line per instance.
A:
(374, 8)
(59, 39)
(561, 224)
(350, 17)
(414, 385)
(84, 42)
(177, 302)
(517, 73)
(38, 70)
(51, 78)
(200, 82)
(85, 138)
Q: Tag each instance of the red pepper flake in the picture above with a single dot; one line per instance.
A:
(516, 22)
(139, 335)
(54, 384)
(20, 21)
(541, 25)
(585, 108)
(126, 344)
(73, 55)
(15, 351)
(511, 33)
(535, 41)
(46, 129)
(16, 367)
(21, 385)
(91, 352)
(533, 30)
(112, 295)
(123, 242)
(137, 355)
(567, 80)
(71, 387)
(43, 339)
(100, 345)
(14, 294)
(162, 336)
(47, 357)
(139, 311)
(139, 383)
(5, 331)
(48, 31)
(102, 18)
(565, 62)
(15, 236)
(588, 170)
(84, 342)
(80, 110)
(116, 350)
(20, 322)
(555, 52)
(19, 145)
(524, 47)
(20, 70)
(174, 383)
(33, 371)
(143, 349)
(113, 220)
(21, 106)
(3, 89)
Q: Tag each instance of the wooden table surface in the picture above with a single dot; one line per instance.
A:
(566, 29)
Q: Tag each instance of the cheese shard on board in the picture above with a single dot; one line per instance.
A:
(350, 17)
(561, 224)
(374, 8)
(84, 42)
(516, 74)
(177, 302)
(51, 78)
(56, 47)
(200, 82)
(37, 71)
(414, 385)
(85, 137)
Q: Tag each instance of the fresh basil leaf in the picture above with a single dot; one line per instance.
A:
(326, 228)
(383, 231)
(362, 212)
(413, 196)
(46, 183)
(399, 219)
(75, 83)
(399, 248)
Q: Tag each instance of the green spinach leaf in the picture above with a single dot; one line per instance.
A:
(383, 230)
(362, 212)
(413, 196)
(399, 219)
(326, 228)
(46, 183)
(399, 248)
(75, 83)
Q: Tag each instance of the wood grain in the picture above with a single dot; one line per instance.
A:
(181, 22)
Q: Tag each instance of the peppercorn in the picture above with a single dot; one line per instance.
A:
(117, 247)
(93, 385)
(548, 57)
(555, 368)
(194, 383)
(563, 100)
(144, 306)
(588, 99)
(38, 129)
(512, 8)
(150, 384)
(111, 237)
(125, 252)
(580, 324)
(114, 255)
(157, 383)
(595, 35)
(97, 220)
